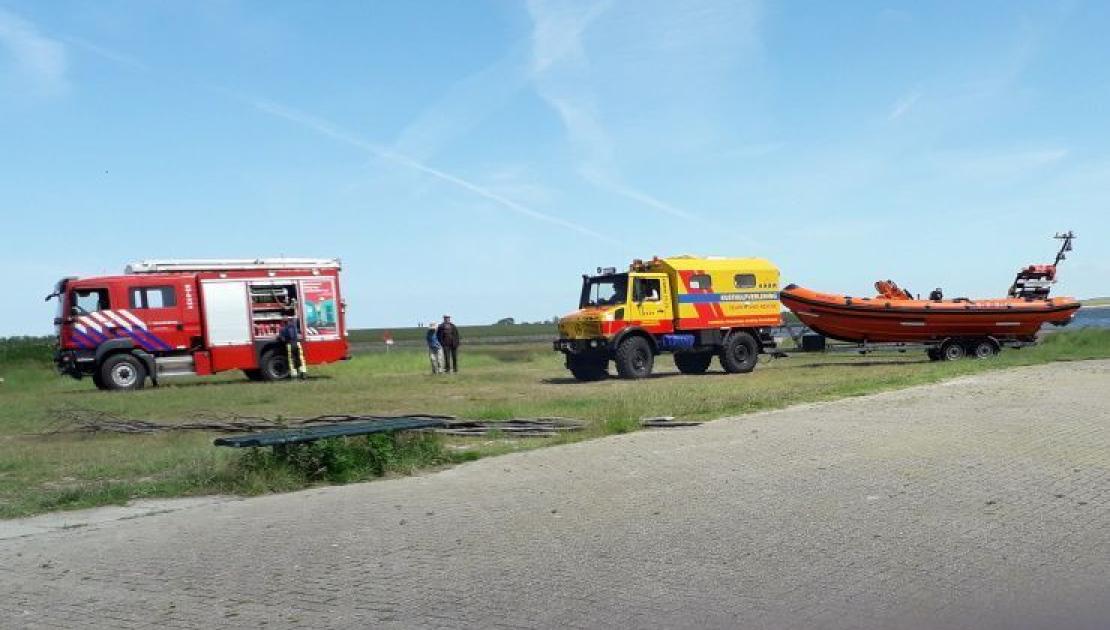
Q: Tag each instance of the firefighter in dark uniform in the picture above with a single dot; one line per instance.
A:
(291, 335)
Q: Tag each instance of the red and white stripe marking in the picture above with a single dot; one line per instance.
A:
(85, 321)
(99, 320)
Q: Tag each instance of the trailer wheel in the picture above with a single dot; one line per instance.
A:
(122, 372)
(585, 370)
(984, 349)
(634, 358)
(273, 366)
(692, 362)
(740, 353)
(952, 350)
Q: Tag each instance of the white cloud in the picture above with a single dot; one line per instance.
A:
(39, 60)
(560, 67)
(332, 131)
(464, 105)
(904, 105)
(107, 53)
(557, 30)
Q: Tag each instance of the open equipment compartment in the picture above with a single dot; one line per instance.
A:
(271, 304)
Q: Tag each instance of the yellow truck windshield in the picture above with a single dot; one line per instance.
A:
(604, 290)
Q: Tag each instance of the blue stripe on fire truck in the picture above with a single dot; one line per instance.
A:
(162, 345)
(83, 340)
(149, 340)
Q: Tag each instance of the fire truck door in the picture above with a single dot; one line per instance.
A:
(226, 312)
(158, 305)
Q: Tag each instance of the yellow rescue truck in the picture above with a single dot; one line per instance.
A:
(696, 308)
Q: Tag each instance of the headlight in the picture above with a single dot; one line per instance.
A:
(593, 343)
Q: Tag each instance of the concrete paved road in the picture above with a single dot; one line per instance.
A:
(978, 503)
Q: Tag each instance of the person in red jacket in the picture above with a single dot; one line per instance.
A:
(449, 338)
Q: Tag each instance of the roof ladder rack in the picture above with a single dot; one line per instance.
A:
(229, 264)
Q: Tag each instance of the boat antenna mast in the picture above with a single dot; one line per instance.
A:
(1067, 237)
(1035, 281)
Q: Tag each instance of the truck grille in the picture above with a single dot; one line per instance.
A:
(580, 329)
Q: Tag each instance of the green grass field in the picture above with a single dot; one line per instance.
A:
(474, 333)
(41, 470)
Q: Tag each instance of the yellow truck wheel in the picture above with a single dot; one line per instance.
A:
(739, 353)
(692, 362)
(586, 371)
(634, 357)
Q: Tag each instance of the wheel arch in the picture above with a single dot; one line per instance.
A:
(262, 347)
(994, 342)
(113, 346)
(970, 341)
(754, 333)
(124, 345)
(635, 331)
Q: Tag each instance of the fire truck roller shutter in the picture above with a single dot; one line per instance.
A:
(226, 312)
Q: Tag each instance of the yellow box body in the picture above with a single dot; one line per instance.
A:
(721, 292)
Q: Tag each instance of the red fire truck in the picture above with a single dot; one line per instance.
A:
(165, 318)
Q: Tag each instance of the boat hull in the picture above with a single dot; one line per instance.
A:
(881, 320)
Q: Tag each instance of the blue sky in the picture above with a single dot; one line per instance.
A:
(477, 157)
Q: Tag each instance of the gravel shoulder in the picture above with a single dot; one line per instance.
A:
(980, 502)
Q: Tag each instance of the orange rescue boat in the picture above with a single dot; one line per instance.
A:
(977, 327)
(898, 318)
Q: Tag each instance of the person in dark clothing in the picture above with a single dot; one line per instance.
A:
(937, 295)
(291, 335)
(449, 338)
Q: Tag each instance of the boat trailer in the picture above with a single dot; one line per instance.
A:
(808, 342)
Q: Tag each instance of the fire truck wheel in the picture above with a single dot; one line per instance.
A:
(634, 358)
(952, 350)
(692, 362)
(274, 366)
(99, 382)
(739, 353)
(588, 369)
(254, 375)
(122, 372)
(983, 349)
(934, 354)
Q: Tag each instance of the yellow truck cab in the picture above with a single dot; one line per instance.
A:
(695, 308)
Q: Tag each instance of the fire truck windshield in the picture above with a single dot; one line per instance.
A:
(604, 290)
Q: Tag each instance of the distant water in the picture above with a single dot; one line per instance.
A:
(1087, 317)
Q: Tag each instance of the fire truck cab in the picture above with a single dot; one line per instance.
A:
(168, 318)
